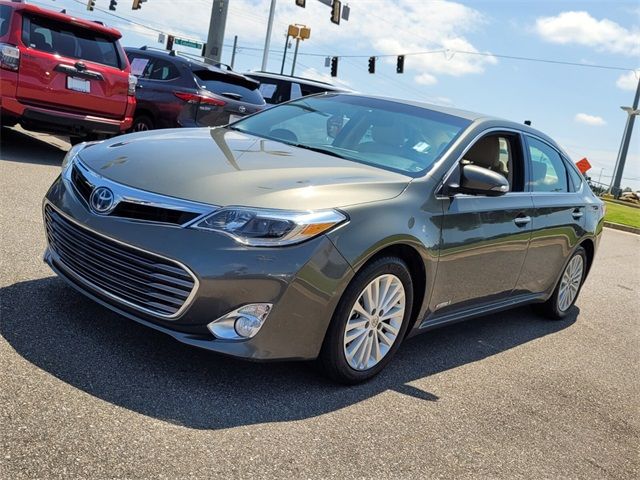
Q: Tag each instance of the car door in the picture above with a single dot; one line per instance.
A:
(155, 92)
(484, 239)
(558, 222)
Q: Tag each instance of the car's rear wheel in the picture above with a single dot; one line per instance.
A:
(142, 123)
(369, 322)
(568, 288)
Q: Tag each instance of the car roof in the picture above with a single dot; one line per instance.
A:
(290, 78)
(63, 17)
(186, 60)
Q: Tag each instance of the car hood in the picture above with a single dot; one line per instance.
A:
(222, 167)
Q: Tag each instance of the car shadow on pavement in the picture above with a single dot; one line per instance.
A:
(115, 359)
(17, 146)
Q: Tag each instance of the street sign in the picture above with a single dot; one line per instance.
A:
(188, 43)
(583, 165)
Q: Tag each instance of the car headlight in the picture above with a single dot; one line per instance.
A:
(68, 159)
(264, 228)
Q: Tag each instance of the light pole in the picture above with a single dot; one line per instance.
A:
(632, 112)
(267, 40)
(303, 34)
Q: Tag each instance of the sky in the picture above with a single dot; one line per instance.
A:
(468, 41)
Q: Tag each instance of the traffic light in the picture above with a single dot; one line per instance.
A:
(334, 66)
(400, 64)
(113, 4)
(170, 39)
(336, 8)
(301, 3)
(372, 64)
(137, 4)
(91, 4)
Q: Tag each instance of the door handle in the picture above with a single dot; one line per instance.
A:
(521, 221)
(577, 213)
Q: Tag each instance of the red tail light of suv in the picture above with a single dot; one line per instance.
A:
(61, 74)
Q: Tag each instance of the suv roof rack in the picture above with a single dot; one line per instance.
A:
(157, 49)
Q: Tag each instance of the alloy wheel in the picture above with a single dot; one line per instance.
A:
(140, 127)
(570, 283)
(374, 322)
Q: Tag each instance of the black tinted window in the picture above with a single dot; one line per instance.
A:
(5, 19)
(71, 41)
(161, 70)
(231, 86)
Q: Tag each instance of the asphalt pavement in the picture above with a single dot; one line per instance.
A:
(86, 393)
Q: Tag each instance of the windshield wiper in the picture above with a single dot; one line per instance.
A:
(314, 149)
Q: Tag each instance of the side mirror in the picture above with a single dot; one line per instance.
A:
(475, 180)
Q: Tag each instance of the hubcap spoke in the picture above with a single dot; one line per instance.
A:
(374, 322)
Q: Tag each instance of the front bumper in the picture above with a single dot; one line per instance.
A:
(303, 282)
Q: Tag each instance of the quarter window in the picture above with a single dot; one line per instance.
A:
(548, 172)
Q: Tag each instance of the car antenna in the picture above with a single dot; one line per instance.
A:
(527, 123)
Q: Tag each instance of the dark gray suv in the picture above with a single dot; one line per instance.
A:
(330, 227)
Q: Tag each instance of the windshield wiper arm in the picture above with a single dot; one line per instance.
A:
(316, 149)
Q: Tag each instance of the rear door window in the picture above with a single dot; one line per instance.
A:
(162, 70)
(5, 19)
(548, 172)
(235, 87)
(70, 41)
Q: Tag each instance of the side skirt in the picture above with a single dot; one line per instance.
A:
(434, 321)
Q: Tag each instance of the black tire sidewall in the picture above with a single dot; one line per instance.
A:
(332, 355)
(142, 119)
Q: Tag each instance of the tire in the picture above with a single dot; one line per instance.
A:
(389, 273)
(556, 308)
(142, 123)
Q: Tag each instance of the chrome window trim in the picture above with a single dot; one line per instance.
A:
(133, 195)
(188, 301)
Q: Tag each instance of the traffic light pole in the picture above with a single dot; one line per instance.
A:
(215, 38)
(624, 145)
(295, 56)
(284, 54)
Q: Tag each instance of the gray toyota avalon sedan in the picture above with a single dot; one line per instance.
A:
(330, 227)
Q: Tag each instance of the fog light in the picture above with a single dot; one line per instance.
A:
(242, 323)
(247, 326)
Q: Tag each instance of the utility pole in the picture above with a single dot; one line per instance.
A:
(614, 189)
(267, 40)
(215, 38)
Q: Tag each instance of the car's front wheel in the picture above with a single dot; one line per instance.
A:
(369, 322)
(568, 288)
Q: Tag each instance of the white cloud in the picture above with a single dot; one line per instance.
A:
(413, 26)
(314, 74)
(592, 120)
(628, 81)
(581, 28)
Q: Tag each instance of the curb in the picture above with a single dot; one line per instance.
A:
(624, 228)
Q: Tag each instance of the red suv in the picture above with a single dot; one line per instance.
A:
(61, 74)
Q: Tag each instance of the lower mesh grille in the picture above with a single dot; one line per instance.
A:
(124, 274)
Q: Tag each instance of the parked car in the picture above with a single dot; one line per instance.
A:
(329, 227)
(180, 91)
(62, 74)
(277, 88)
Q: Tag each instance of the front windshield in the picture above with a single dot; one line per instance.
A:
(381, 133)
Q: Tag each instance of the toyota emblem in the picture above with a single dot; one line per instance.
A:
(242, 109)
(102, 200)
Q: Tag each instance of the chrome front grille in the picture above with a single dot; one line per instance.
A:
(143, 209)
(125, 275)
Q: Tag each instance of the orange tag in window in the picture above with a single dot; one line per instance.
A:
(583, 165)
